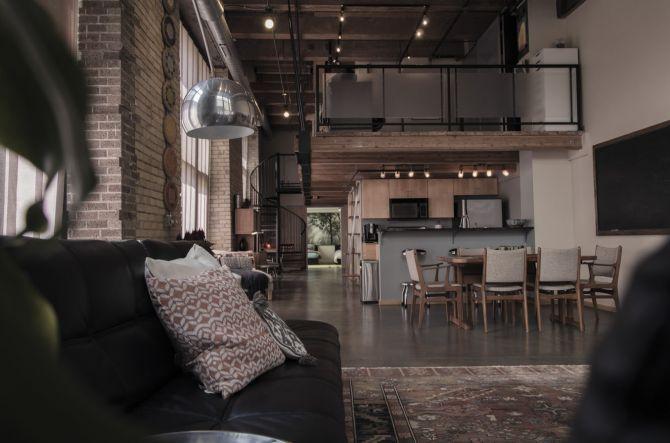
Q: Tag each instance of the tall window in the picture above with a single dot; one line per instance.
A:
(21, 184)
(194, 152)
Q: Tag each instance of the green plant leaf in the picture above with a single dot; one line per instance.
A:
(43, 96)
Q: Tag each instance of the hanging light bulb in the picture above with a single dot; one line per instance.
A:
(286, 114)
(419, 33)
(410, 174)
(460, 172)
(339, 36)
(397, 174)
(338, 49)
(269, 23)
(426, 174)
(475, 172)
(408, 56)
(505, 172)
(341, 13)
(424, 20)
(489, 172)
(382, 174)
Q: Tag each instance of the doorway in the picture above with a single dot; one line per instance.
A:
(324, 246)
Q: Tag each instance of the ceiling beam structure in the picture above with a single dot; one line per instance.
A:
(339, 158)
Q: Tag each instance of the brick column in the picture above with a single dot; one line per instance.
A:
(120, 42)
(219, 213)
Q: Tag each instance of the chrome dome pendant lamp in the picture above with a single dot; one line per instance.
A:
(218, 108)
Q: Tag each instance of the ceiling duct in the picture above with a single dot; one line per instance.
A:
(211, 12)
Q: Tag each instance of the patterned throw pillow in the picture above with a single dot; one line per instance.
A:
(287, 340)
(213, 325)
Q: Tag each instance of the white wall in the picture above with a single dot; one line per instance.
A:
(623, 48)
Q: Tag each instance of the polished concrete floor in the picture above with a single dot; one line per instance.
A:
(373, 335)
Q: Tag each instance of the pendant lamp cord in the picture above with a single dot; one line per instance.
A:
(204, 39)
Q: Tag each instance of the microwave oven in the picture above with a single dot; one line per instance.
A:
(408, 208)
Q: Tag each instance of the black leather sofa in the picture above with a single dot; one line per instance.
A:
(113, 341)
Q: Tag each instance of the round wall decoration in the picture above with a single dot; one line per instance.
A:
(170, 129)
(169, 5)
(171, 162)
(170, 196)
(170, 64)
(169, 95)
(169, 31)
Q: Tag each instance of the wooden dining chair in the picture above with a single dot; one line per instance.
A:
(557, 280)
(503, 280)
(603, 279)
(452, 293)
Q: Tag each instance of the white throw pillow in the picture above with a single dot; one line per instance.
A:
(197, 261)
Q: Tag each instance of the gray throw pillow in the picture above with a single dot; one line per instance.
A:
(287, 340)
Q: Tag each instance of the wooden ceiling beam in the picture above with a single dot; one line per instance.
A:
(387, 142)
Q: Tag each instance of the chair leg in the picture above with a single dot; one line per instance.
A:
(422, 309)
(563, 310)
(594, 300)
(538, 311)
(512, 305)
(615, 297)
(483, 303)
(525, 312)
(411, 309)
(580, 310)
(472, 307)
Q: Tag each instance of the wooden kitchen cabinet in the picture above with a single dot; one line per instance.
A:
(409, 188)
(440, 198)
(375, 199)
(476, 186)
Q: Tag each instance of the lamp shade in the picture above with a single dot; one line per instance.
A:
(218, 108)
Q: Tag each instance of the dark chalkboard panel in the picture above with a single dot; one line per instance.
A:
(632, 179)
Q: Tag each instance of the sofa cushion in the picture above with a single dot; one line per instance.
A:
(291, 402)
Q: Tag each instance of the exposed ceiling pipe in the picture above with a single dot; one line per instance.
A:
(211, 12)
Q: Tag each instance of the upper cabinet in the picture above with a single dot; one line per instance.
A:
(440, 198)
(375, 198)
(409, 188)
(476, 186)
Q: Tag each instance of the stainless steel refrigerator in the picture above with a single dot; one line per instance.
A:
(369, 281)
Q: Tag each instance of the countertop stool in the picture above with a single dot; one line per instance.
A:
(408, 286)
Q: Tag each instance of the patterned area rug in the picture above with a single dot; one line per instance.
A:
(474, 403)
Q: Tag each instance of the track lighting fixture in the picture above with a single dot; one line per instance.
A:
(397, 174)
(426, 174)
(505, 172)
(460, 172)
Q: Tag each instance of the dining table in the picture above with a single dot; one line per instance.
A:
(459, 262)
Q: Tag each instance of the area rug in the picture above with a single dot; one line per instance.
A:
(474, 403)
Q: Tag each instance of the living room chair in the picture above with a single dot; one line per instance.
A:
(603, 279)
(452, 293)
(503, 280)
(557, 280)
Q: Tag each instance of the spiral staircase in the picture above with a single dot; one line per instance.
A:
(282, 231)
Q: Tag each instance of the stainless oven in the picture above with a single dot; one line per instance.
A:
(408, 208)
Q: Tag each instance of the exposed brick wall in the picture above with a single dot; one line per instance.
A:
(219, 214)
(100, 48)
(121, 44)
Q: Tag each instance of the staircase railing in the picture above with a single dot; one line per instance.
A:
(279, 226)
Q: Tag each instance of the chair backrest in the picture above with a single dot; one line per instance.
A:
(504, 266)
(609, 258)
(559, 265)
(413, 266)
(470, 251)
